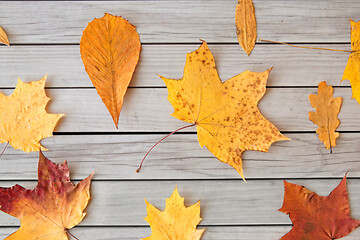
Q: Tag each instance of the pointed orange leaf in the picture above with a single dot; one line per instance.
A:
(52, 208)
(110, 49)
(316, 217)
(245, 22)
(327, 109)
(3, 37)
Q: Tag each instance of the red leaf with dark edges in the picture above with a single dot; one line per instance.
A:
(317, 217)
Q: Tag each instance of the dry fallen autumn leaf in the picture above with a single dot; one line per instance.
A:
(327, 109)
(23, 117)
(52, 208)
(176, 221)
(110, 49)
(245, 22)
(3, 37)
(317, 217)
(352, 70)
(226, 116)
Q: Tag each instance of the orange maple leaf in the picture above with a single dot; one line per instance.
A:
(176, 221)
(226, 116)
(52, 208)
(318, 217)
(110, 49)
(327, 109)
(3, 37)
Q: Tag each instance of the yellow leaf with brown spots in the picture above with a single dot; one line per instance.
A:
(23, 117)
(327, 109)
(245, 23)
(352, 70)
(176, 221)
(226, 115)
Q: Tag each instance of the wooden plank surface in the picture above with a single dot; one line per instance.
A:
(292, 66)
(180, 21)
(148, 110)
(227, 202)
(115, 157)
(211, 233)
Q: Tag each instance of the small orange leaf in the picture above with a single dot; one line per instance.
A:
(3, 37)
(226, 116)
(23, 117)
(317, 217)
(175, 221)
(52, 208)
(245, 22)
(110, 49)
(327, 109)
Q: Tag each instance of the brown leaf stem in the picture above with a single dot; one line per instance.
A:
(292, 45)
(7, 144)
(71, 234)
(191, 125)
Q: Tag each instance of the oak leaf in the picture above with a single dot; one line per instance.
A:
(23, 117)
(245, 23)
(327, 109)
(176, 221)
(3, 37)
(352, 69)
(52, 208)
(226, 116)
(318, 217)
(110, 49)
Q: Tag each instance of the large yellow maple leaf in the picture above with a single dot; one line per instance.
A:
(23, 117)
(352, 69)
(176, 221)
(226, 116)
(52, 208)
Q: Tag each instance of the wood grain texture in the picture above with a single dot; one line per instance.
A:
(292, 66)
(211, 233)
(115, 157)
(121, 203)
(181, 21)
(148, 110)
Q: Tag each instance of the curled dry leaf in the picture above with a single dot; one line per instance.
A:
(23, 117)
(317, 217)
(226, 116)
(3, 37)
(110, 49)
(352, 70)
(245, 23)
(327, 109)
(175, 221)
(52, 208)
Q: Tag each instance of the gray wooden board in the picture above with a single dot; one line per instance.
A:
(292, 66)
(211, 233)
(181, 21)
(148, 110)
(180, 157)
(227, 202)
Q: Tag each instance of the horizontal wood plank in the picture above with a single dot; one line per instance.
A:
(211, 233)
(121, 203)
(292, 66)
(148, 110)
(180, 21)
(180, 157)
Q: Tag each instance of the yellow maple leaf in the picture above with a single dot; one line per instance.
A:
(176, 221)
(52, 208)
(352, 69)
(226, 116)
(3, 37)
(327, 109)
(23, 117)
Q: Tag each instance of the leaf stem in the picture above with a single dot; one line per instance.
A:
(4, 149)
(292, 45)
(191, 125)
(71, 234)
